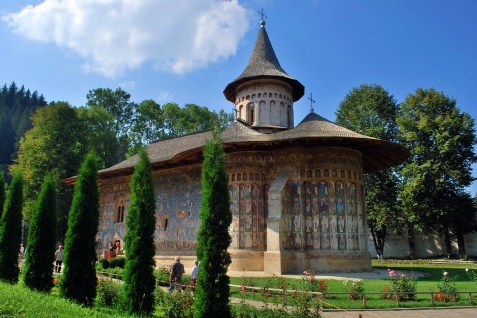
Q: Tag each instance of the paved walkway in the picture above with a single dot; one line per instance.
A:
(376, 273)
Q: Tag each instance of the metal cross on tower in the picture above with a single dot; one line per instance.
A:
(311, 102)
(263, 16)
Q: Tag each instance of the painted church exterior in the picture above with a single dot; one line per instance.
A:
(297, 193)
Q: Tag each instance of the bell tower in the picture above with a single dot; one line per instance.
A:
(264, 93)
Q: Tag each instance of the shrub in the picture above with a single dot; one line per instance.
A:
(471, 274)
(103, 263)
(402, 284)
(176, 304)
(313, 284)
(117, 262)
(447, 289)
(107, 292)
(355, 288)
(162, 275)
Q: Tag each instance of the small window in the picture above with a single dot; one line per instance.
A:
(165, 222)
(244, 177)
(120, 212)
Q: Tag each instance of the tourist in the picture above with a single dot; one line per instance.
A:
(59, 255)
(193, 274)
(177, 269)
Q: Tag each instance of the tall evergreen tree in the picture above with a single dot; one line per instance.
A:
(79, 275)
(42, 239)
(212, 292)
(139, 282)
(11, 231)
(2, 195)
(16, 107)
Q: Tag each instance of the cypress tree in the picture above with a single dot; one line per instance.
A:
(2, 195)
(212, 292)
(11, 231)
(139, 282)
(79, 275)
(38, 274)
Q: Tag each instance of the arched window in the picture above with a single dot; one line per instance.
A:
(251, 113)
(289, 117)
(119, 214)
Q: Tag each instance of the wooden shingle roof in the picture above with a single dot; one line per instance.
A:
(263, 64)
(313, 131)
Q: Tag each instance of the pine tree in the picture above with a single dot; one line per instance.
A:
(11, 231)
(2, 195)
(212, 292)
(79, 274)
(139, 282)
(42, 239)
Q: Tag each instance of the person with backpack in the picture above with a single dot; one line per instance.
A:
(177, 269)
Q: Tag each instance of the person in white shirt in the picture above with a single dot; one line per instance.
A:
(59, 255)
(193, 275)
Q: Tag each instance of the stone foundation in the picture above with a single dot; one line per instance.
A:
(279, 263)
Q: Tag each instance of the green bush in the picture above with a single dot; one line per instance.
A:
(117, 262)
(162, 275)
(176, 304)
(103, 263)
(107, 292)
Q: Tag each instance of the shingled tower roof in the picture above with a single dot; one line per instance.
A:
(263, 64)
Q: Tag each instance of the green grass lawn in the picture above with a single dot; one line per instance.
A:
(425, 285)
(18, 301)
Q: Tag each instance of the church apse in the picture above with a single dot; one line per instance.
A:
(322, 211)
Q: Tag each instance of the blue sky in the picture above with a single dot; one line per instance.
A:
(186, 51)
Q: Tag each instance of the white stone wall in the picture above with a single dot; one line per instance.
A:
(426, 246)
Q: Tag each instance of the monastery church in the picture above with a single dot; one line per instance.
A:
(297, 196)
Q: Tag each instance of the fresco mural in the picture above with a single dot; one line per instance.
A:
(326, 208)
(323, 205)
(178, 197)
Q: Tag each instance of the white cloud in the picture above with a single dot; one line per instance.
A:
(128, 85)
(164, 96)
(116, 35)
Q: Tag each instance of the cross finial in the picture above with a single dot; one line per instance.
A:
(262, 21)
(312, 101)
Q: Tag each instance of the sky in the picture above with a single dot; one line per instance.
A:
(186, 52)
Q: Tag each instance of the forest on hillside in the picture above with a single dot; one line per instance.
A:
(16, 107)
